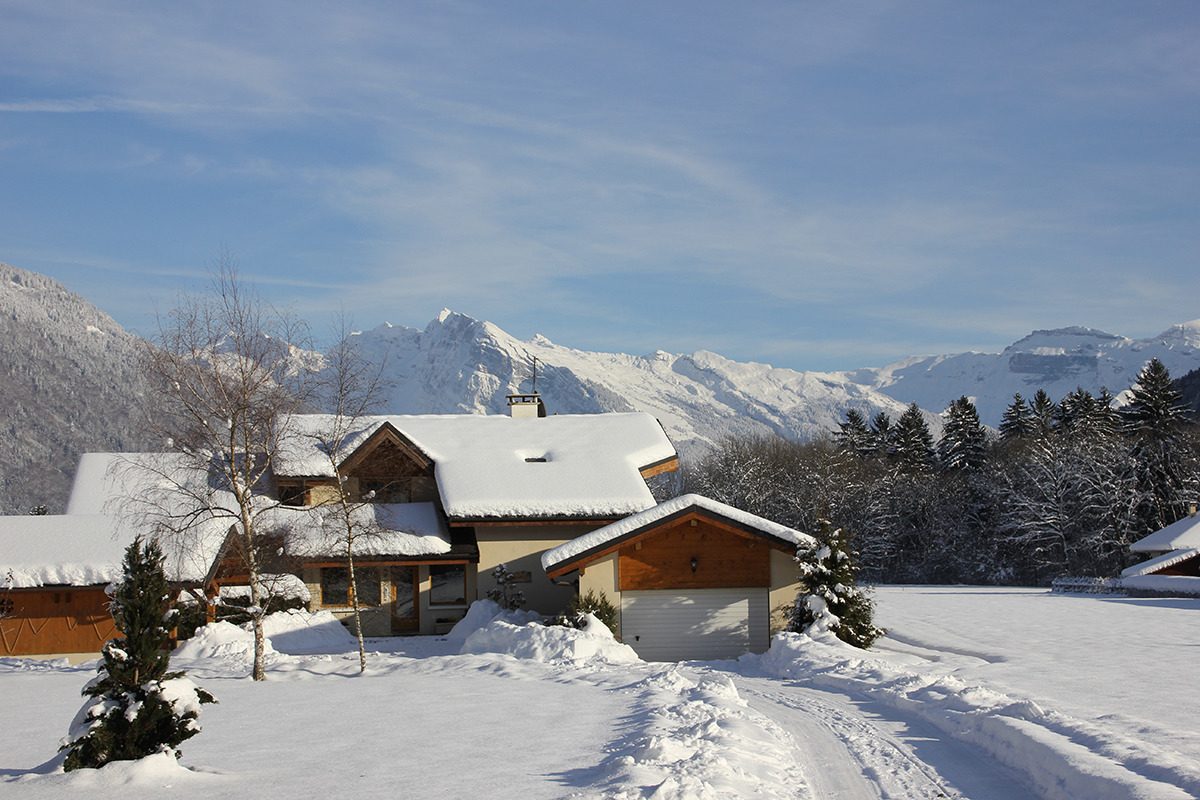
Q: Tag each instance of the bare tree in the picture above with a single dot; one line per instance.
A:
(351, 387)
(227, 369)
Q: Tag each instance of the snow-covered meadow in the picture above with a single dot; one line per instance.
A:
(980, 693)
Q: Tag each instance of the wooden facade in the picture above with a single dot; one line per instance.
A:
(55, 619)
(694, 552)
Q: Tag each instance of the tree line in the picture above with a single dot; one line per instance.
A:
(1062, 488)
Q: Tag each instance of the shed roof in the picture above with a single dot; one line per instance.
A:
(579, 550)
(1179, 534)
(497, 467)
(1160, 562)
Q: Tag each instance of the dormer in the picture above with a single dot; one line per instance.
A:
(389, 468)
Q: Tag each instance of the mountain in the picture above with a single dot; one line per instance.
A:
(68, 383)
(459, 364)
(1057, 360)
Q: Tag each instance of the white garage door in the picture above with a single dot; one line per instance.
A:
(674, 625)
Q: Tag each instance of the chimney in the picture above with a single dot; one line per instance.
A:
(526, 406)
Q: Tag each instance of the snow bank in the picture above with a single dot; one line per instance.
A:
(481, 613)
(532, 640)
(699, 740)
(298, 632)
(1060, 756)
(293, 632)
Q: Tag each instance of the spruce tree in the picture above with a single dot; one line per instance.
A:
(881, 435)
(963, 445)
(831, 599)
(1044, 413)
(1017, 422)
(135, 707)
(853, 436)
(912, 441)
(1154, 419)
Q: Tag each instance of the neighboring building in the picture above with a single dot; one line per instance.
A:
(1174, 565)
(692, 578)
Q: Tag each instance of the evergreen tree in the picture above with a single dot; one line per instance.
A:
(1045, 414)
(912, 441)
(1017, 422)
(1154, 419)
(135, 707)
(881, 435)
(853, 436)
(964, 441)
(830, 599)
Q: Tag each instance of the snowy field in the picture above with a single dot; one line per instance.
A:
(990, 694)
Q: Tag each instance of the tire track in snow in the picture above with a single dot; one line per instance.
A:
(853, 758)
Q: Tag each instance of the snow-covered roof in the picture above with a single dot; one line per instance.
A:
(1160, 562)
(571, 465)
(159, 495)
(602, 538)
(399, 529)
(60, 550)
(1179, 534)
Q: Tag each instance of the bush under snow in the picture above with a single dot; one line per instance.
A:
(488, 629)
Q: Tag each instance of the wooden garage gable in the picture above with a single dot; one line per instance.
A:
(694, 551)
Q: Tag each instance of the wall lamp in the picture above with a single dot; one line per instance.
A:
(695, 563)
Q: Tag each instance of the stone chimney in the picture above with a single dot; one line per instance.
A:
(526, 406)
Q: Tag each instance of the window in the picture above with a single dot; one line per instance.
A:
(293, 494)
(335, 586)
(448, 584)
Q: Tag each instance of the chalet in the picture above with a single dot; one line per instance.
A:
(457, 496)
(1173, 567)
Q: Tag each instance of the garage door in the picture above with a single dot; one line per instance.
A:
(674, 625)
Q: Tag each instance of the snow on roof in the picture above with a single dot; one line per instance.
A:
(399, 529)
(1179, 534)
(570, 465)
(1160, 562)
(601, 537)
(59, 550)
(157, 495)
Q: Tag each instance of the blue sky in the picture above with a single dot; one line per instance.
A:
(815, 185)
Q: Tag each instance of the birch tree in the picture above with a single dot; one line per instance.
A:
(229, 380)
(351, 386)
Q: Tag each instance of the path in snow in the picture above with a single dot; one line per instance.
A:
(853, 749)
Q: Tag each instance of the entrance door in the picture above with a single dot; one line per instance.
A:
(405, 618)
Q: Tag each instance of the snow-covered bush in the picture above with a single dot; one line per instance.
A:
(134, 707)
(506, 594)
(830, 599)
(594, 604)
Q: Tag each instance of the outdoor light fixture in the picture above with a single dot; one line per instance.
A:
(695, 563)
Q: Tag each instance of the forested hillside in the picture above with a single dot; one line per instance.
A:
(68, 383)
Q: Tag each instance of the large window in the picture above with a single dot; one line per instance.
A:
(335, 586)
(448, 584)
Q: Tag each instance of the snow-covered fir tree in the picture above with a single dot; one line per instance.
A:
(1154, 418)
(135, 707)
(1017, 422)
(831, 599)
(964, 441)
(912, 441)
